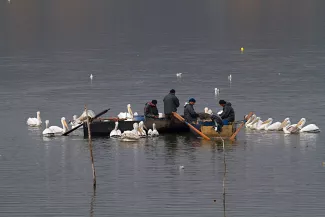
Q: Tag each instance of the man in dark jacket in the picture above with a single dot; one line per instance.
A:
(190, 115)
(228, 113)
(150, 109)
(171, 103)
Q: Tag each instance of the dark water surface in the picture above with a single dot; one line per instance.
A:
(134, 49)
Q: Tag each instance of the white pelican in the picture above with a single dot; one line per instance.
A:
(35, 122)
(142, 132)
(154, 131)
(91, 76)
(265, 124)
(310, 128)
(59, 130)
(229, 77)
(131, 135)
(75, 121)
(216, 91)
(115, 132)
(250, 120)
(206, 110)
(126, 115)
(220, 112)
(277, 125)
(47, 132)
(256, 123)
(294, 128)
(179, 74)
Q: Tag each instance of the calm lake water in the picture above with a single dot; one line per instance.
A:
(134, 49)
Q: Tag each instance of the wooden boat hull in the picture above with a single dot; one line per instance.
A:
(102, 128)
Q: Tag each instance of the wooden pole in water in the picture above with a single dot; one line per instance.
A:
(91, 149)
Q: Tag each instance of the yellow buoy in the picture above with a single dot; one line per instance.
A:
(242, 49)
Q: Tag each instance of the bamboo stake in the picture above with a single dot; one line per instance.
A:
(91, 149)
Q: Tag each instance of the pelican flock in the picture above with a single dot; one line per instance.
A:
(255, 123)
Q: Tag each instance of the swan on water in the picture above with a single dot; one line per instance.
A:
(141, 130)
(131, 135)
(179, 74)
(115, 132)
(265, 124)
(59, 130)
(216, 91)
(154, 131)
(47, 132)
(35, 122)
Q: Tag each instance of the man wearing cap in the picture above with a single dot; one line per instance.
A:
(150, 109)
(190, 115)
(228, 113)
(171, 103)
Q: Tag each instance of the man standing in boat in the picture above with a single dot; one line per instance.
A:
(190, 115)
(228, 113)
(150, 109)
(171, 103)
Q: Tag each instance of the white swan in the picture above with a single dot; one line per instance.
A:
(265, 124)
(142, 132)
(131, 135)
(310, 128)
(59, 130)
(47, 132)
(154, 131)
(35, 122)
(115, 132)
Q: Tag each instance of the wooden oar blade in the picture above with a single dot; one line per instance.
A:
(180, 118)
(239, 128)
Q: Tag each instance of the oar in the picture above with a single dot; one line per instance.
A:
(73, 129)
(237, 131)
(180, 118)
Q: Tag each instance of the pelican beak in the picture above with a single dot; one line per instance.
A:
(145, 127)
(65, 124)
(267, 121)
(283, 124)
(299, 124)
(140, 131)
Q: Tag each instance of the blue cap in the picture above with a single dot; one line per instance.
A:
(192, 100)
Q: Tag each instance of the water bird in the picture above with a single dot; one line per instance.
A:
(75, 121)
(294, 128)
(310, 128)
(115, 132)
(126, 115)
(154, 131)
(206, 110)
(181, 167)
(276, 125)
(91, 76)
(179, 74)
(47, 132)
(250, 120)
(58, 130)
(229, 77)
(256, 123)
(35, 122)
(131, 135)
(216, 91)
(142, 132)
(265, 124)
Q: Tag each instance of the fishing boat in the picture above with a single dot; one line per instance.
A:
(102, 127)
